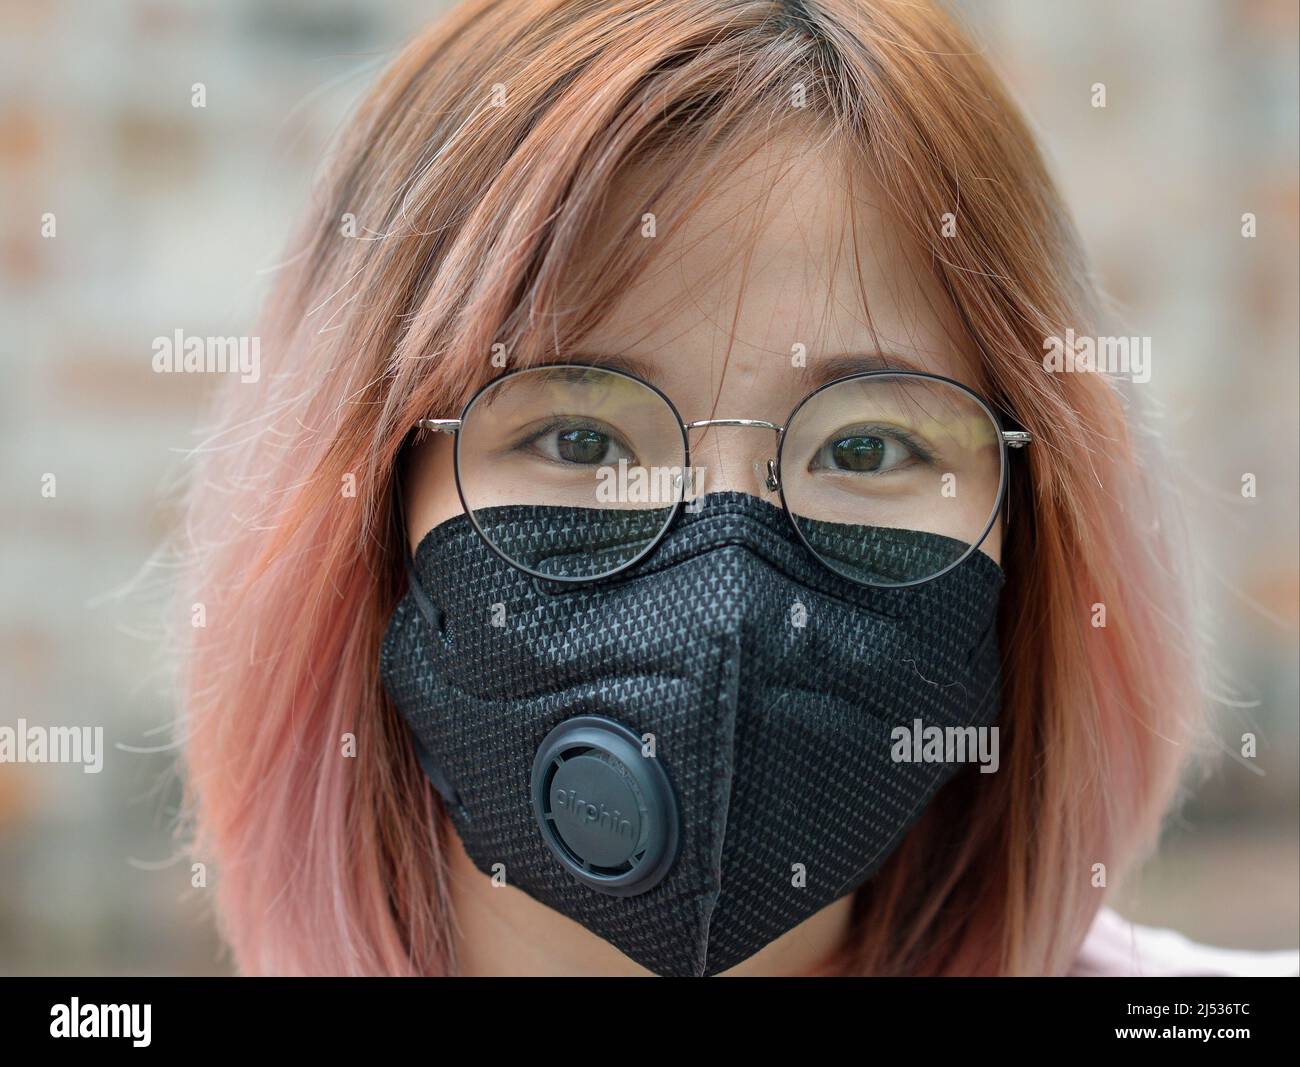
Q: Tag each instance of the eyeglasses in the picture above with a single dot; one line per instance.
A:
(573, 473)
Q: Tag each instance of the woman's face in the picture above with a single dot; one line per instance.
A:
(762, 268)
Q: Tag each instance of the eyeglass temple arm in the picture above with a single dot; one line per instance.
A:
(439, 425)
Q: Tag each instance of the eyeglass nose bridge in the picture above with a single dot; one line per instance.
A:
(773, 479)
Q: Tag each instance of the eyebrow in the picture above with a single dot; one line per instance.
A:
(817, 373)
(613, 360)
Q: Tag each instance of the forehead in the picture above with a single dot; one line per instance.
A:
(786, 257)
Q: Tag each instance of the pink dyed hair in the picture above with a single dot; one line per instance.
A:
(335, 865)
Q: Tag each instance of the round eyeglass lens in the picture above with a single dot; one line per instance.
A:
(892, 479)
(571, 472)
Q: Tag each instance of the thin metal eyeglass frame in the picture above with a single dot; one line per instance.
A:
(1007, 439)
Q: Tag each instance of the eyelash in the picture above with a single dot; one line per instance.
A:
(915, 448)
(911, 443)
(571, 422)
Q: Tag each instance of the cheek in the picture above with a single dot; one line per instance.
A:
(430, 488)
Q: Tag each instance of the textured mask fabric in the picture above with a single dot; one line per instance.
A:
(769, 683)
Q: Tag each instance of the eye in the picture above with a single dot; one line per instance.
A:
(578, 442)
(868, 451)
(581, 446)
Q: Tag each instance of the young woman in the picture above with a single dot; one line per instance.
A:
(658, 544)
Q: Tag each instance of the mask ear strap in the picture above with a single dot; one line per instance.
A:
(434, 617)
(439, 780)
(427, 608)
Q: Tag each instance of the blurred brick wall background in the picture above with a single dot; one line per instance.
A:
(168, 216)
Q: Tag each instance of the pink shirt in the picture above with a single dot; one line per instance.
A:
(1116, 947)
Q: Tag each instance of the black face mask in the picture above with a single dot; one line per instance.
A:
(691, 757)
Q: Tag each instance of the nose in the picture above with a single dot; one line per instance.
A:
(727, 455)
